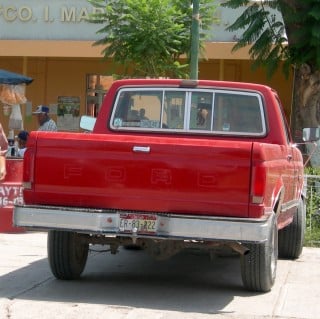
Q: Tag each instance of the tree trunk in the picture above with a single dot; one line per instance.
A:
(306, 106)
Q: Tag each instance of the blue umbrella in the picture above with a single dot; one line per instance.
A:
(7, 77)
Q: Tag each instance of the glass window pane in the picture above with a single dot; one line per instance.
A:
(237, 113)
(201, 111)
(174, 109)
(138, 109)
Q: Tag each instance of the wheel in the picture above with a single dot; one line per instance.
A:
(259, 266)
(291, 238)
(67, 254)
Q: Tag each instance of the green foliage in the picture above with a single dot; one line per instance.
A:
(313, 205)
(294, 41)
(148, 37)
(262, 31)
(304, 40)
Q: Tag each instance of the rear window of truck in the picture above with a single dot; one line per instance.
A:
(200, 111)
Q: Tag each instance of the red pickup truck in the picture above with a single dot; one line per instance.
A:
(169, 165)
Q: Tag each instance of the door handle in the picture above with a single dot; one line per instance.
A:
(141, 149)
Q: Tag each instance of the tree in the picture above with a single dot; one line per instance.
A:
(295, 42)
(149, 37)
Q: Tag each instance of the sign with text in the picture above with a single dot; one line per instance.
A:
(68, 113)
(67, 20)
(47, 20)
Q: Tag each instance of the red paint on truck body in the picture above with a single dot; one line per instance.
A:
(183, 173)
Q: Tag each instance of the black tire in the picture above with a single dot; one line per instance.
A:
(67, 254)
(259, 266)
(132, 247)
(291, 238)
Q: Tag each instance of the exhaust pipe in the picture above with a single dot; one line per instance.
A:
(239, 248)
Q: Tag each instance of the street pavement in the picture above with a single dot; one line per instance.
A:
(132, 285)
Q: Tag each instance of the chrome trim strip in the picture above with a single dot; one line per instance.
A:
(288, 205)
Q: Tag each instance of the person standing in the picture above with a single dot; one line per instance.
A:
(44, 120)
(3, 152)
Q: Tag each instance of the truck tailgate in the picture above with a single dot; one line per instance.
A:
(143, 173)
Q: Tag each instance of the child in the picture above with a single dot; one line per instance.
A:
(22, 141)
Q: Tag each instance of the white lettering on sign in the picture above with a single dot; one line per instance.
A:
(67, 14)
(12, 13)
(83, 14)
(47, 14)
(25, 14)
(73, 14)
(11, 195)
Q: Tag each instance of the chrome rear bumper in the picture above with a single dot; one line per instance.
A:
(169, 226)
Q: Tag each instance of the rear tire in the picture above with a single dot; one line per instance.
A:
(67, 254)
(291, 238)
(259, 266)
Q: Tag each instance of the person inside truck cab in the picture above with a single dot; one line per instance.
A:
(142, 114)
(203, 120)
(44, 120)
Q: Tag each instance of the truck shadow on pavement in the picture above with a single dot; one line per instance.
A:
(188, 282)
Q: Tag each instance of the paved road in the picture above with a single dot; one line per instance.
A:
(131, 285)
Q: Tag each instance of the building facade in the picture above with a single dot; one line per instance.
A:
(51, 42)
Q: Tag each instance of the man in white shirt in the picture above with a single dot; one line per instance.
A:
(44, 120)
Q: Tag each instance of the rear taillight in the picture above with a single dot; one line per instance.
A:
(28, 168)
(258, 184)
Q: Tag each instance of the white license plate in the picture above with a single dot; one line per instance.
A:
(139, 223)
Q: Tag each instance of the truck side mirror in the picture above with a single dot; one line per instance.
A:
(87, 122)
(311, 134)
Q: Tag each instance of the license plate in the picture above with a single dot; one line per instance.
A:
(139, 223)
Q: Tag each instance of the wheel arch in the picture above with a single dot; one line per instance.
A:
(278, 196)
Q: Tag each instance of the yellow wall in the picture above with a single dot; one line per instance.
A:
(59, 76)
(240, 70)
(53, 77)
